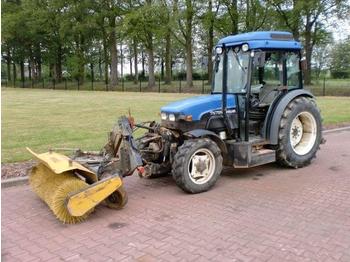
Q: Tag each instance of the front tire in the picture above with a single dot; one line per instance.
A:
(197, 165)
(299, 133)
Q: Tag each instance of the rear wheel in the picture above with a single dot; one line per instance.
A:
(197, 165)
(299, 133)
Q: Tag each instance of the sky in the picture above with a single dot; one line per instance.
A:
(341, 30)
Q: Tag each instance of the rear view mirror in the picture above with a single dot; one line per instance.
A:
(259, 59)
(303, 64)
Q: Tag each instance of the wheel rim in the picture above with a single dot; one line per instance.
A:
(303, 133)
(201, 166)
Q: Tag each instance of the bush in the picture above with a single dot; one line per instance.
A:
(340, 74)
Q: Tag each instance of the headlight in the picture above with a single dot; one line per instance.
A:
(218, 50)
(163, 116)
(171, 117)
(245, 47)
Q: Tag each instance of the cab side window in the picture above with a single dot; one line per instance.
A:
(293, 70)
(272, 72)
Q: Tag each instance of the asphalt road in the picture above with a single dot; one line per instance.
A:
(261, 214)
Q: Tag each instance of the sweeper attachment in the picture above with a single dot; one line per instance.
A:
(73, 186)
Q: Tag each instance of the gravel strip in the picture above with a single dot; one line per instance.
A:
(19, 169)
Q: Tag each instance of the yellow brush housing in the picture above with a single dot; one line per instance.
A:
(69, 197)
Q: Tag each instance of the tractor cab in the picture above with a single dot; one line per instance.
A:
(257, 68)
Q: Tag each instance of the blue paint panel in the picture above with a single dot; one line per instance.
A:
(263, 40)
(198, 105)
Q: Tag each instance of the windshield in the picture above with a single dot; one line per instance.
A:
(237, 68)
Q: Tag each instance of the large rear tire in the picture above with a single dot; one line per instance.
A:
(197, 165)
(300, 133)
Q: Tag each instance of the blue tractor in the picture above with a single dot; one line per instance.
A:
(257, 113)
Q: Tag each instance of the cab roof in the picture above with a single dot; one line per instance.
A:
(263, 40)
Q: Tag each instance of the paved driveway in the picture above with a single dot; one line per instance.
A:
(261, 214)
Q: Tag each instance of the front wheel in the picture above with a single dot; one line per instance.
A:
(300, 133)
(197, 165)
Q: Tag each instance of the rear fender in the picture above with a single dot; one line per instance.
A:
(198, 133)
(275, 112)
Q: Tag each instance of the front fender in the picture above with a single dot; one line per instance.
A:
(275, 112)
(198, 133)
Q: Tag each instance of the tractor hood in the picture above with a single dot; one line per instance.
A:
(198, 106)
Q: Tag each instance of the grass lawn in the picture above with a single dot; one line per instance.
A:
(41, 119)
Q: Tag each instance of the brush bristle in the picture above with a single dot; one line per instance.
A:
(54, 190)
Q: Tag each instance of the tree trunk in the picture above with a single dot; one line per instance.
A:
(130, 62)
(34, 71)
(39, 68)
(143, 63)
(30, 69)
(295, 22)
(105, 54)
(234, 17)
(121, 61)
(54, 68)
(210, 42)
(168, 58)
(14, 72)
(188, 40)
(22, 72)
(38, 62)
(136, 78)
(58, 64)
(99, 64)
(308, 54)
(171, 67)
(92, 71)
(114, 54)
(50, 69)
(247, 16)
(189, 69)
(151, 78)
(81, 60)
(8, 63)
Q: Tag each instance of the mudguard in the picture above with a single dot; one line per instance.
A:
(275, 112)
(197, 133)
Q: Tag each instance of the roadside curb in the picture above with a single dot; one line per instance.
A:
(17, 181)
(336, 130)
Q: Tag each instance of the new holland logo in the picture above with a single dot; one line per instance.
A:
(219, 112)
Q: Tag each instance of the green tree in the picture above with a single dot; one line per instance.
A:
(185, 12)
(305, 19)
(209, 20)
(143, 23)
(78, 28)
(340, 60)
(15, 33)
